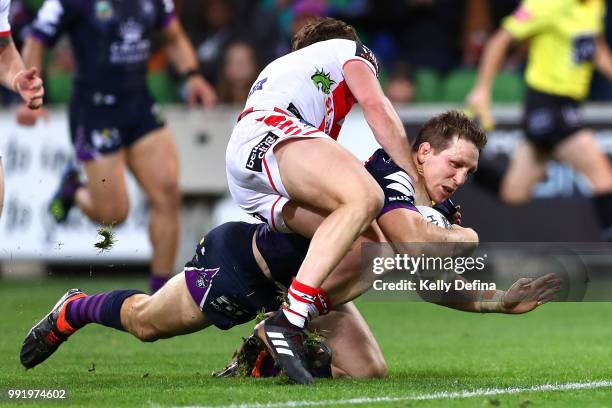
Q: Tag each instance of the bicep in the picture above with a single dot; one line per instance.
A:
(363, 83)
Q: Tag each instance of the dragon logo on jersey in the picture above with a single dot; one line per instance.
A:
(322, 81)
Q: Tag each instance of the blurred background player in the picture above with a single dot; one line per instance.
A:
(15, 76)
(566, 44)
(114, 121)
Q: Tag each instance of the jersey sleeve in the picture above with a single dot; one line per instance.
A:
(531, 17)
(167, 13)
(53, 19)
(395, 182)
(5, 27)
(354, 51)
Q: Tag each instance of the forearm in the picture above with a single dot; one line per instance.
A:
(603, 59)
(32, 53)
(473, 301)
(181, 53)
(389, 131)
(491, 60)
(10, 63)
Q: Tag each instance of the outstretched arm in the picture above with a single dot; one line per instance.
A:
(523, 296)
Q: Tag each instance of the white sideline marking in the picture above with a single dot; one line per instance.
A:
(424, 397)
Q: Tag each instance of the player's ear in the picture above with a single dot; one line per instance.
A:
(425, 150)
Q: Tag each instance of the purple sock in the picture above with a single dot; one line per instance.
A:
(156, 282)
(103, 308)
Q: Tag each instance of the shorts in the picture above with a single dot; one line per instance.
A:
(253, 175)
(549, 119)
(102, 124)
(224, 279)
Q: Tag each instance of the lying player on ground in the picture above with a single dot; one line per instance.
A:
(239, 268)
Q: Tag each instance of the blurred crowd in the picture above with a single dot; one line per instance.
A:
(428, 49)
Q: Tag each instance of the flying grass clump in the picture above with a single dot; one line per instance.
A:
(108, 238)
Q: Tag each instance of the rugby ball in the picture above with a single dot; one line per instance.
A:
(434, 216)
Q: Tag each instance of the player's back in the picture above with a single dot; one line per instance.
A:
(310, 83)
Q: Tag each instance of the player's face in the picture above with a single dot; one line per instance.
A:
(446, 170)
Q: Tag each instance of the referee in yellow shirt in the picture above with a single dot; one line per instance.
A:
(565, 45)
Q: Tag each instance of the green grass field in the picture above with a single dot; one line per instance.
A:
(434, 355)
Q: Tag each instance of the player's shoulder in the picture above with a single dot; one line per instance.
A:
(545, 7)
(384, 170)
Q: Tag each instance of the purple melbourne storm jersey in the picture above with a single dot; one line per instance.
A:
(111, 39)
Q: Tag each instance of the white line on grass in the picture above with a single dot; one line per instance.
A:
(481, 392)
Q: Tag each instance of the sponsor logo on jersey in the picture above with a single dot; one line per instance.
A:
(322, 81)
(132, 48)
(205, 277)
(400, 198)
(364, 52)
(106, 138)
(259, 151)
(104, 10)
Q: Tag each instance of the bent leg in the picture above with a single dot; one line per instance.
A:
(582, 152)
(355, 352)
(325, 176)
(105, 198)
(170, 312)
(153, 159)
(526, 169)
(346, 281)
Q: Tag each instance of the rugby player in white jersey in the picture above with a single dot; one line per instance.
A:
(14, 75)
(283, 163)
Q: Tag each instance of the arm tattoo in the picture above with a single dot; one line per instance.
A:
(5, 41)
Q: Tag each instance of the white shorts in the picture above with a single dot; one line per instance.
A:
(252, 171)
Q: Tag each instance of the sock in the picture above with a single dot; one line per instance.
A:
(103, 308)
(489, 175)
(305, 303)
(156, 283)
(603, 207)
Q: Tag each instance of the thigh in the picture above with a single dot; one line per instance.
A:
(355, 352)
(323, 174)
(153, 159)
(171, 311)
(106, 180)
(582, 152)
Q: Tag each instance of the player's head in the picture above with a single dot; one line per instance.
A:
(447, 150)
(322, 29)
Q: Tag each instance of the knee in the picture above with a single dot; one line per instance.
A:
(112, 214)
(367, 203)
(376, 367)
(513, 196)
(144, 330)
